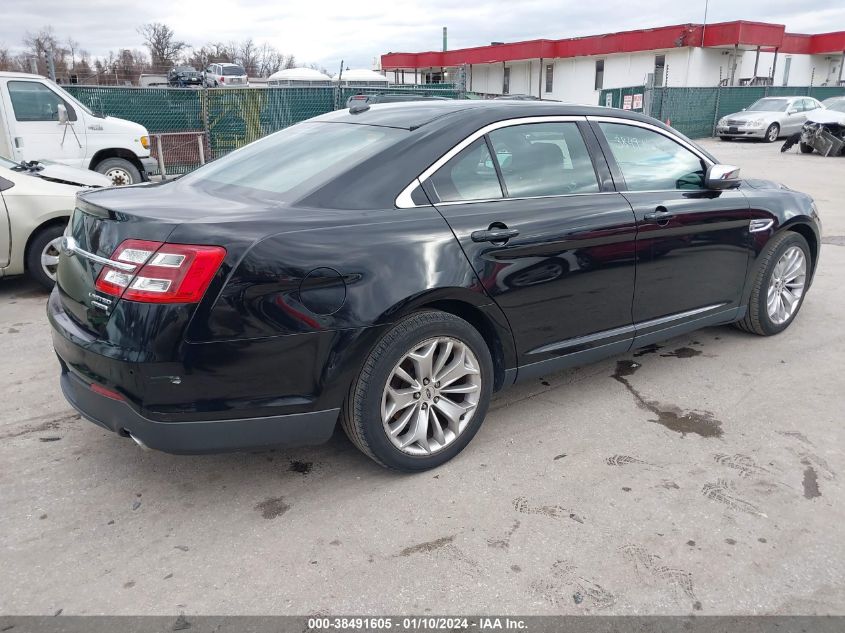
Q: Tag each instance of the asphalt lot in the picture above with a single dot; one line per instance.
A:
(573, 498)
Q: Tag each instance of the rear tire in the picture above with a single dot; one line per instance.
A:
(772, 133)
(379, 401)
(772, 280)
(42, 255)
(725, 138)
(120, 171)
(805, 149)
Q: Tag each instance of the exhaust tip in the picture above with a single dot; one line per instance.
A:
(139, 442)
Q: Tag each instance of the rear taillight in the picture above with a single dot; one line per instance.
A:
(164, 273)
(222, 80)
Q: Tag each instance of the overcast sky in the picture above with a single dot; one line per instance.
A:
(324, 32)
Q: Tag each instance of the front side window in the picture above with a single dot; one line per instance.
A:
(470, 175)
(33, 101)
(543, 159)
(651, 161)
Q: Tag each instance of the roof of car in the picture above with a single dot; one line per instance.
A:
(414, 114)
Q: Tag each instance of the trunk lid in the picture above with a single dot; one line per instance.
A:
(98, 230)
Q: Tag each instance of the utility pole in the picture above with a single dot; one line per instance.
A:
(51, 66)
(704, 26)
(445, 48)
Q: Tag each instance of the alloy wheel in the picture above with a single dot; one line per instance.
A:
(772, 133)
(431, 396)
(786, 286)
(50, 258)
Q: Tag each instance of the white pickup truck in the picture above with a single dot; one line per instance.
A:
(40, 121)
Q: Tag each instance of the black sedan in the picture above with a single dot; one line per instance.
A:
(390, 267)
(183, 76)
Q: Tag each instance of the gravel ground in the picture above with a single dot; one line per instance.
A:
(572, 498)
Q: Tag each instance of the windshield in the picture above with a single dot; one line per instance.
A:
(301, 157)
(769, 105)
(837, 106)
(233, 70)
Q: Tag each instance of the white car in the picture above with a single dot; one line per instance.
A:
(36, 201)
(224, 75)
(768, 119)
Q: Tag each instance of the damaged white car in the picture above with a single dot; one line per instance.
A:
(824, 131)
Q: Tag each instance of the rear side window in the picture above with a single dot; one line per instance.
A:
(544, 159)
(470, 175)
(233, 70)
(651, 161)
(33, 101)
(303, 156)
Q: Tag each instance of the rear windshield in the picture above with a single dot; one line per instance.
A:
(769, 105)
(295, 160)
(233, 70)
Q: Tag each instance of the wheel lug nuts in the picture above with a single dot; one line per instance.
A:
(417, 395)
(426, 381)
(424, 405)
(437, 385)
(437, 398)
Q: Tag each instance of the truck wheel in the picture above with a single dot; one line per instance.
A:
(42, 255)
(120, 171)
(805, 149)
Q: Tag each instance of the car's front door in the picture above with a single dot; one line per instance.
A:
(692, 242)
(796, 116)
(550, 240)
(37, 133)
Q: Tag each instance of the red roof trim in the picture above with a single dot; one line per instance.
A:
(724, 34)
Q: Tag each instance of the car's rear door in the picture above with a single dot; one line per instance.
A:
(692, 242)
(550, 240)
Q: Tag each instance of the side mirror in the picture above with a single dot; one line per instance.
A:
(791, 111)
(722, 177)
(62, 112)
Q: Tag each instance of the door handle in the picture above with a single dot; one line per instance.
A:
(661, 215)
(495, 235)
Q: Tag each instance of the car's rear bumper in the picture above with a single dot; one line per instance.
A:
(213, 436)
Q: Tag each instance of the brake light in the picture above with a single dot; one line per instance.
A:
(104, 391)
(164, 273)
(222, 80)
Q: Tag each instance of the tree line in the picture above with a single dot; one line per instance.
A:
(74, 64)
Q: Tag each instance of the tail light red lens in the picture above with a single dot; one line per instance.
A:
(164, 273)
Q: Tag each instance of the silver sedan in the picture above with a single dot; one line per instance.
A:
(767, 118)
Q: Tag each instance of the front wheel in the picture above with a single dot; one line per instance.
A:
(120, 171)
(422, 393)
(772, 133)
(779, 287)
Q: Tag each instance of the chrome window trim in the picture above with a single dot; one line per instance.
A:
(559, 195)
(649, 126)
(404, 198)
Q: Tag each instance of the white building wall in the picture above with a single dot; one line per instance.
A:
(574, 78)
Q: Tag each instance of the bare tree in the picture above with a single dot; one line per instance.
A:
(162, 43)
(247, 54)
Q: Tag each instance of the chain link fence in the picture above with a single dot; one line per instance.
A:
(695, 111)
(191, 126)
